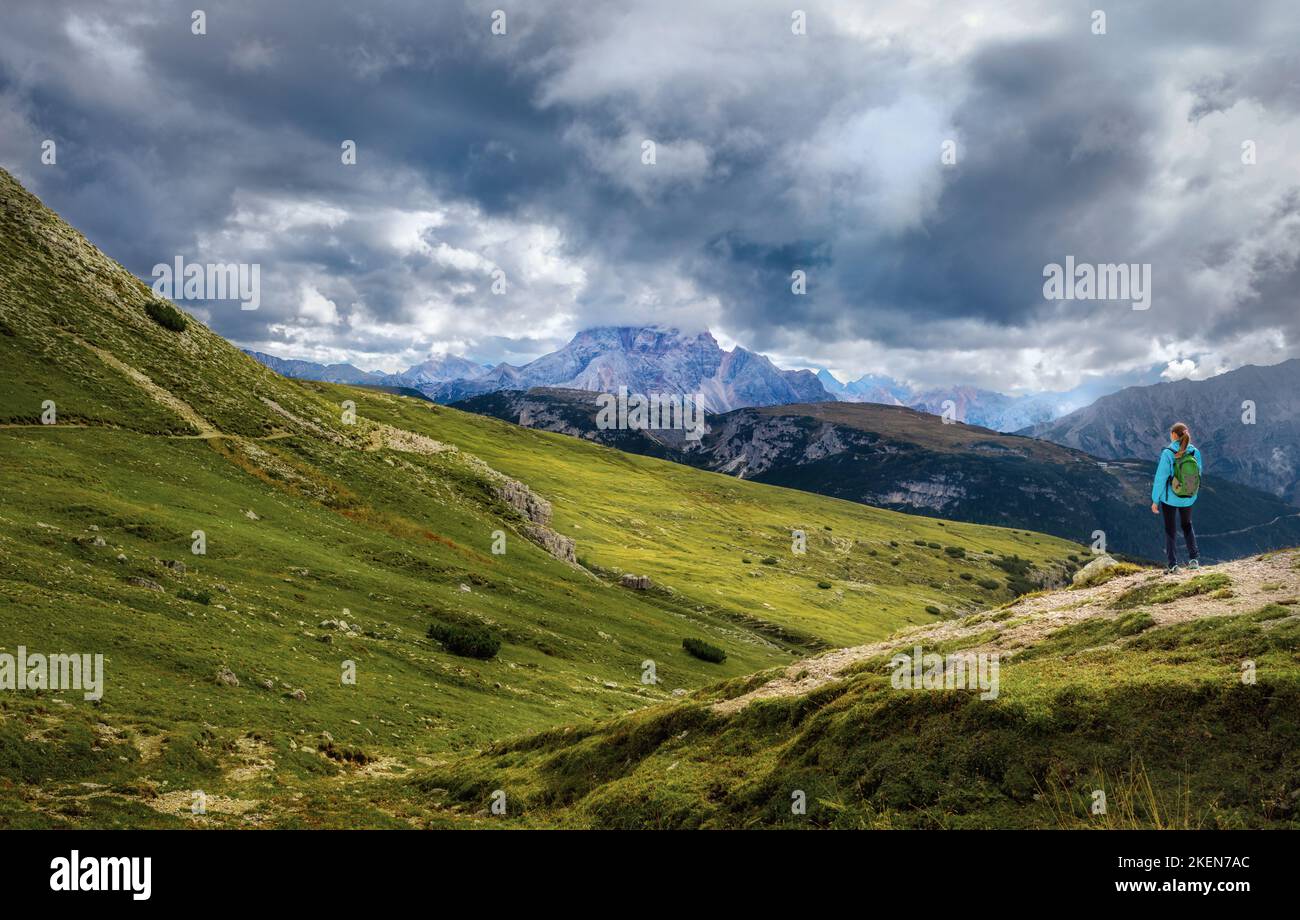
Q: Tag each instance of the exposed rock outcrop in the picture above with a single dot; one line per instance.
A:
(1094, 568)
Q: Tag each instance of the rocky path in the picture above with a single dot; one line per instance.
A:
(1255, 582)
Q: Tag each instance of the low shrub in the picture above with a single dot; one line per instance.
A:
(698, 648)
(165, 315)
(466, 640)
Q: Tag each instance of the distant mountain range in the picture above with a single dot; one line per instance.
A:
(1262, 451)
(427, 373)
(654, 359)
(644, 359)
(898, 458)
(971, 405)
(1128, 424)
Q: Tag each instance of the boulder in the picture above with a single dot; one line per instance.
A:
(635, 582)
(1094, 568)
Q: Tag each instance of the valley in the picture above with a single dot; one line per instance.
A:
(894, 457)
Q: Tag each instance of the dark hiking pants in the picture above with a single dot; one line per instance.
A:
(1184, 517)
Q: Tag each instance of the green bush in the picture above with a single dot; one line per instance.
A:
(167, 316)
(823, 585)
(769, 560)
(1018, 571)
(704, 651)
(465, 640)
(199, 597)
(990, 584)
(956, 552)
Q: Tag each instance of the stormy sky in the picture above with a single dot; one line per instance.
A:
(1171, 138)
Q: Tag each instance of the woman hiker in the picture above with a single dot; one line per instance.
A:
(1174, 491)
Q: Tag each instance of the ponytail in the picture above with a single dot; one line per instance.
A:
(1184, 437)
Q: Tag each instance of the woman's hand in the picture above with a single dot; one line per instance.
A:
(1155, 509)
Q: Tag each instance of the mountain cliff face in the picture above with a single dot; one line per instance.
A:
(898, 458)
(644, 359)
(1135, 422)
(650, 359)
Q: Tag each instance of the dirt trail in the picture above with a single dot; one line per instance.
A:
(1256, 581)
(205, 428)
(61, 426)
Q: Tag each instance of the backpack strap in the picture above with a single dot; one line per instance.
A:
(1173, 462)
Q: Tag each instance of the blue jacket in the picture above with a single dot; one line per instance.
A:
(1162, 489)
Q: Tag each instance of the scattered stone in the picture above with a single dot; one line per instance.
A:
(251, 515)
(93, 527)
(175, 565)
(679, 692)
(121, 557)
(98, 541)
(268, 684)
(226, 677)
(145, 583)
(299, 695)
(610, 685)
(465, 588)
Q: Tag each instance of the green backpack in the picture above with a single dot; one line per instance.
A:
(1187, 475)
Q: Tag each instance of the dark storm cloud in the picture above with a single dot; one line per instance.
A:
(775, 152)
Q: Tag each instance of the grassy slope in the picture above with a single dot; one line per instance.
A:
(1148, 706)
(162, 433)
(693, 531)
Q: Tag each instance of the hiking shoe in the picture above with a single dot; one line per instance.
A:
(1173, 569)
(1194, 564)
